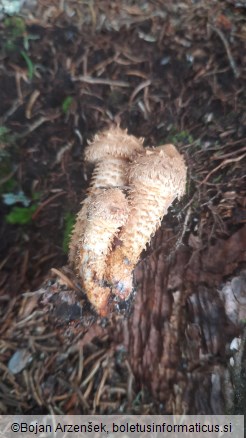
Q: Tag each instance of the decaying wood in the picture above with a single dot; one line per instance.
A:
(178, 335)
(180, 329)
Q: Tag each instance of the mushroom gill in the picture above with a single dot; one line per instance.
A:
(156, 178)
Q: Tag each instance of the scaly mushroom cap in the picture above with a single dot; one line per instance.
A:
(113, 142)
(163, 170)
(169, 150)
(155, 180)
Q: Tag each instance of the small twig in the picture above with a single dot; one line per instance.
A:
(101, 387)
(185, 226)
(36, 125)
(62, 151)
(228, 50)
(139, 74)
(180, 239)
(45, 203)
(101, 65)
(31, 102)
(221, 157)
(16, 104)
(90, 80)
(7, 177)
(64, 278)
(92, 373)
(79, 135)
(139, 88)
(225, 162)
(18, 77)
(143, 109)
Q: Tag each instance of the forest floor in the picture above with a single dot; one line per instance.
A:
(171, 72)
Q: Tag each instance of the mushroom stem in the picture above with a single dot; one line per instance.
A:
(111, 172)
(156, 179)
(110, 152)
(107, 211)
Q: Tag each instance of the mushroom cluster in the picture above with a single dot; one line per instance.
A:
(112, 228)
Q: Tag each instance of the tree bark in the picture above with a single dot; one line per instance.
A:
(178, 335)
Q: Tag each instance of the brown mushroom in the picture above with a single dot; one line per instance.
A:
(106, 213)
(156, 178)
(110, 152)
(169, 150)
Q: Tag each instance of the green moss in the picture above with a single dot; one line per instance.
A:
(7, 162)
(8, 186)
(29, 63)
(15, 30)
(21, 215)
(15, 26)
(7, 138)
(66, 104)
(16, 35)
(69, 221)
(183, 137)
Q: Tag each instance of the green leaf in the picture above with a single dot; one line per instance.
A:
(6, 137)
(69, 220)
(3, 132)
(29, 64)
(66, 104)
(20, 215)
(179, 136)
(8, 186)
(15, 25)
(36, 196)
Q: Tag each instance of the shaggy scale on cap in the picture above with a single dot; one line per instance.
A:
(155, 180)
